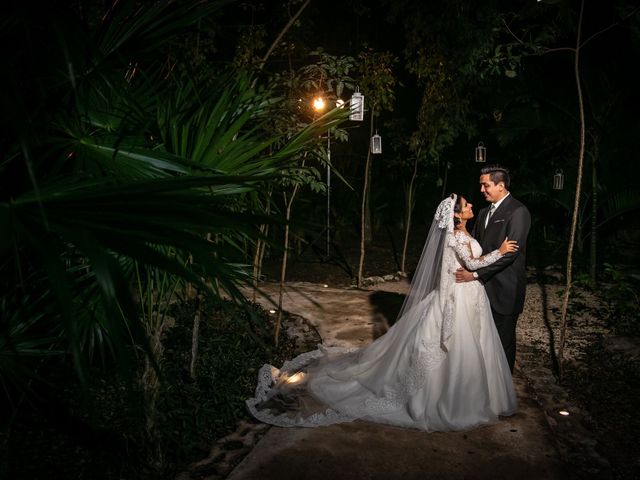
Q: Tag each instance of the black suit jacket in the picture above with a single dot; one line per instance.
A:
(505, 280)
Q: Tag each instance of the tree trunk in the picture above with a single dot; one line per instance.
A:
(283, 268)
(195, 336)
(256, 261)
(259, 252)
(409, 211)
(286, 28)
(576, 205)
(368, 224)
(151, 384)
(363, 213)
(594, 214)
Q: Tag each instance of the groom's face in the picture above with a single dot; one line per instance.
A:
(492, 192)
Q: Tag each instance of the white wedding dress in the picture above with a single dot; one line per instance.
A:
(440, 367)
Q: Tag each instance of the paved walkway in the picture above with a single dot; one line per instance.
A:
(521, 446)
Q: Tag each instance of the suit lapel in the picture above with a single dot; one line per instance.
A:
(480, 227)
(499, 213)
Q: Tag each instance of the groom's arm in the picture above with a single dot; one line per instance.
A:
(517, 229)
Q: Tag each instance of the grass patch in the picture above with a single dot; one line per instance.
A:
(98, 432)
(608, 385)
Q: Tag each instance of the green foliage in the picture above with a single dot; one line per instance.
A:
(329, 74)
(377, 79)
(128, 163)
(621, 296)
(607, 384)
(209, 407)
(443, 50)
(193, 413)
(326, 77)
(618, 203)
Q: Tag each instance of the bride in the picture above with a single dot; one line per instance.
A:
(440, 367)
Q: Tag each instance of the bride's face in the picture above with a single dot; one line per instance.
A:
(467, 209)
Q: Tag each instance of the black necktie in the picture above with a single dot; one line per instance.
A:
(491, 210)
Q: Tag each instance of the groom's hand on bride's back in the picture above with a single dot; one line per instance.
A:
(464, 275)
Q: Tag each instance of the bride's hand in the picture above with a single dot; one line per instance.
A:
(508, 246)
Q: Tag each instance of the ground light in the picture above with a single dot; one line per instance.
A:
(295, 377)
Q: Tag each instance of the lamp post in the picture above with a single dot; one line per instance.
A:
(356, 113)
(319, 105)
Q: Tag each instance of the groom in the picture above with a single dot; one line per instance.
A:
(505, 280)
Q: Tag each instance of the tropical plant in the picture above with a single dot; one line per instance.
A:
(113, 160)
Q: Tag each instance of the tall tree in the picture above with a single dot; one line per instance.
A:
(540, 45)
(377, 81)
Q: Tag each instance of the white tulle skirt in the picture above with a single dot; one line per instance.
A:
(404, 378)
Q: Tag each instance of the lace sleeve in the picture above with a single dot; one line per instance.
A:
(462, 246)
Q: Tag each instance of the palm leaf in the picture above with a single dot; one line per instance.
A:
(620, 203)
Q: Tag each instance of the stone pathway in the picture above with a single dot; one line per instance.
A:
(523, 445)
(538, 442)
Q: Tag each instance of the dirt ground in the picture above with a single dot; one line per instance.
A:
(540, 442)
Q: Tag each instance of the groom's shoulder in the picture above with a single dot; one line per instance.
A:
(515, 207)
(515, 203)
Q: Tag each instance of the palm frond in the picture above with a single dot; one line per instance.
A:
(620, 203)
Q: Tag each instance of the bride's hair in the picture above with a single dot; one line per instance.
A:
(457, 208)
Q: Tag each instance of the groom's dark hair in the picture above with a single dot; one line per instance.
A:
(497, 174)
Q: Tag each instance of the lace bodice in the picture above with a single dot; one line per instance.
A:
(469, 252)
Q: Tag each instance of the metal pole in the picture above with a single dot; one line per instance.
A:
(328, 191)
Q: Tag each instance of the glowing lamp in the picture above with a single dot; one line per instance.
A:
(481, 153)
(319, 104)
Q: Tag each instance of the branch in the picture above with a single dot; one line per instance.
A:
(512, 34)
(546, 50)
(281, 34)
(560, 49)
(608, 28)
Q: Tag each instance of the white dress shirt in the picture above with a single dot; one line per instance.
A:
(495, 207)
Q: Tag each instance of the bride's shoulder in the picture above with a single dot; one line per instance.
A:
(461, 237)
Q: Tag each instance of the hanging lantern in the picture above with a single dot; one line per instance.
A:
(481, 153)
(357, 106)
(376, 144)
(558, 180)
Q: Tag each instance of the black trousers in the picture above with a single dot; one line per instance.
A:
(506, 326)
